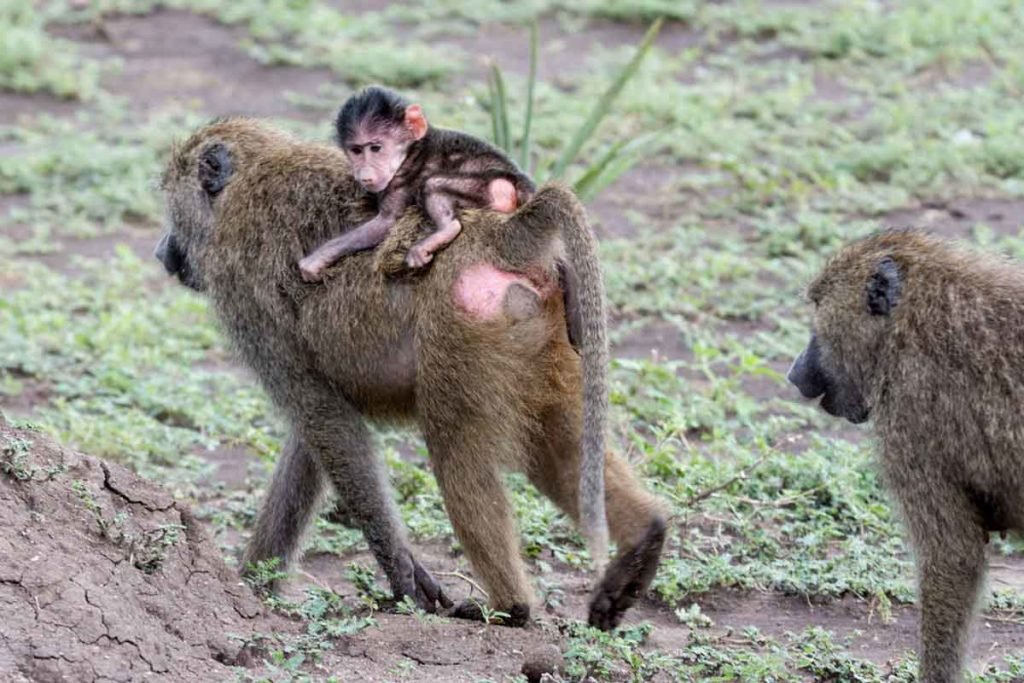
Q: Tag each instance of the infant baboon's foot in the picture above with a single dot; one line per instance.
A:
(311, 269)
(503, 195)
(418, 256)
(473, 610)
(627, 578)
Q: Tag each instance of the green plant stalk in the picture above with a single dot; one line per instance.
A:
(524, 158)
(499, 110)
(615, 161)
(605, 103)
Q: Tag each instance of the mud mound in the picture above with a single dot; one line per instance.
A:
(104, 577)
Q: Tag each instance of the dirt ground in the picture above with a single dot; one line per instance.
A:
(104, 577)
(128, 622)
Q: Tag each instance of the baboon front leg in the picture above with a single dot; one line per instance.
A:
(635, 517)
(366, 236)
(294, 490)
(475, 498)
(951, 565)
(359, 478)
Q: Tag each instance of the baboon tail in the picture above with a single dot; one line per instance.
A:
(581, 250)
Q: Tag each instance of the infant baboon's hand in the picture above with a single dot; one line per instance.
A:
(311, 269)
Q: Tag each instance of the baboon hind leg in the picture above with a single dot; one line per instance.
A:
(474, 494)
(949, 545)
(636, 518)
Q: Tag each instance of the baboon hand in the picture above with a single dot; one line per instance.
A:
(415, 581)
(311, 269)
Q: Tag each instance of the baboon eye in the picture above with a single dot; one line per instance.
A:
(374, 148)
(356, 150)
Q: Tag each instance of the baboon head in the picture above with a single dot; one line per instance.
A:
(197, 173)
(855, 300)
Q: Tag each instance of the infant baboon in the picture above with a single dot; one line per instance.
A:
(395, 154)
(476, 350)
(927, 339)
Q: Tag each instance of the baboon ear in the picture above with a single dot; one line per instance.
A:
(415, 121)
(884, 287)
(214, 168)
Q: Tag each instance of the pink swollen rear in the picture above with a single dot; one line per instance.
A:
(480, 290)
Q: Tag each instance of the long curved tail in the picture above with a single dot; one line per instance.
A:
(581, 250)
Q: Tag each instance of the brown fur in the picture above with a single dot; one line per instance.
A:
(942, 374)
(503, 393)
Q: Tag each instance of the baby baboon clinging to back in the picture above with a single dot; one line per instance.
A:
(927, 339)
(476, 350)
(395, 154)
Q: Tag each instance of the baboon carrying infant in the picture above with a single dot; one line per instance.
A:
(927, 340)
(475, 351)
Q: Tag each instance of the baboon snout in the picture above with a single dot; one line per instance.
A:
(806, 374)
(167, 253)
(369, 179)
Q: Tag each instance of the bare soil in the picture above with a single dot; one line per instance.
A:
(103, 576)
(957, 217)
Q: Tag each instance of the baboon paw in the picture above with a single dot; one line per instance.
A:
(311, 271)
(469, 609)
(429, 593)
(473, 610)
(627, 578)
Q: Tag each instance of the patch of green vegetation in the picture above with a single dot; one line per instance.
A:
(87, 176)
(750, 656)
(124, 373)
(326, 618)
(34, 61)
(308, 33)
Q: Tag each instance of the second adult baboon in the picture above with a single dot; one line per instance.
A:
(927, 340)
(475, 350)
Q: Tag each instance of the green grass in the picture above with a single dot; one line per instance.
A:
(783, 132)
(32, 61)
(85, 176)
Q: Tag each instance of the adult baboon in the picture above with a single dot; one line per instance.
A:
(475, 350)
(927, 339)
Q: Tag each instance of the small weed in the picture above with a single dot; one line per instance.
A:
(370, 593)
(493, 616)
(146, 550)
(693, 617)
(612, 163)
(263, 574)
(16, 461)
